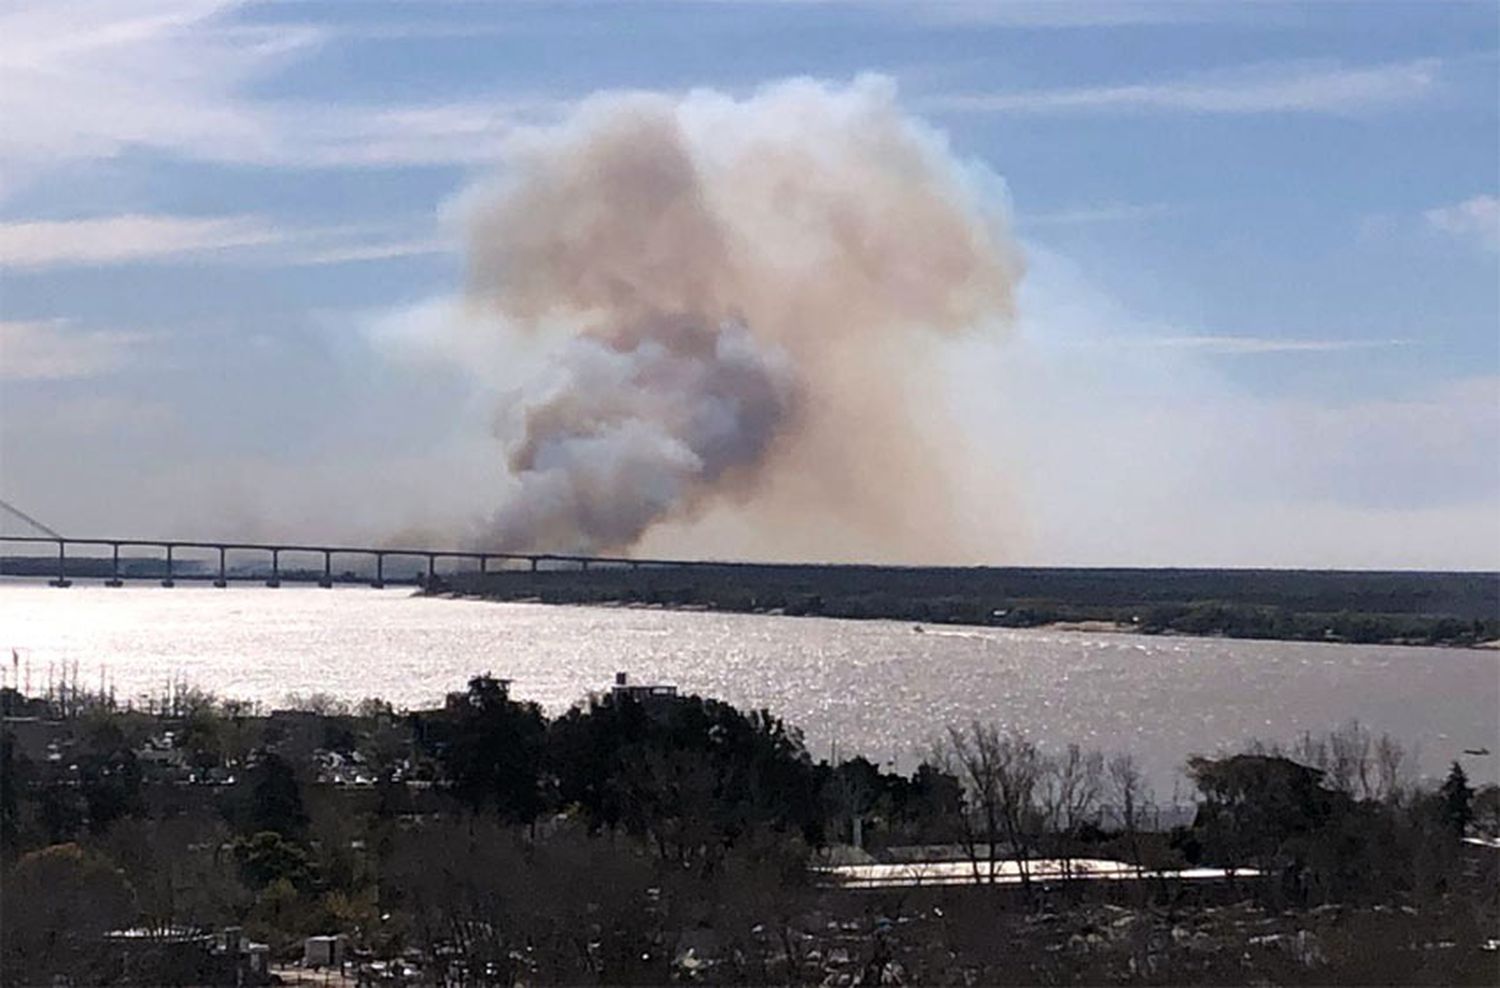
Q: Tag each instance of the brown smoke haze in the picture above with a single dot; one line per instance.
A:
(746, 298)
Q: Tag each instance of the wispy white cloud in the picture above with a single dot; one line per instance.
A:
(93, 78)
(1036, 14)
(1285, 88)
(1476, 219)
(51, 350)
(377, 250)
(427, 30)
(176, 77)
(451, 133)
(1249, 345)
(125, 238)
(137, 238)
(1028, 14)
(1118, 212)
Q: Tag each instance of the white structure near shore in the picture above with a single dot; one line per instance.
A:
(1008, 872)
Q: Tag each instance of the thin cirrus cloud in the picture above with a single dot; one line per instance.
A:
(1114, 212)
(1043, 14)
(1031, 14)
(125, 238)
(1229, 346)
(140, 238)
(465, 132)
(51, 350)
(1297, 87)
(71, 95)
(93, 78)
(173, 77)
(1476, 220)
(355, 251)
(1249, 345)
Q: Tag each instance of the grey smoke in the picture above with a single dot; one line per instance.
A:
(639, 429)
(740, 293)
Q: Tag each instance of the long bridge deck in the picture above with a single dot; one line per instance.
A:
(173, 571)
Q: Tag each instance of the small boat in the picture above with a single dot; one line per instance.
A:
(1477, 751)
(918, 629)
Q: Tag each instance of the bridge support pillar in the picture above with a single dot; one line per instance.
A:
(533, 563)
(583, 565)
(275, 580)
(62, 566)
(167, 580)
(379, 580)
(223, 580)
(484, 565)
(327, 581)
(431, 569)
(114, 577)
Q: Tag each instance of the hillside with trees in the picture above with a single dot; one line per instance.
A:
(646, 837)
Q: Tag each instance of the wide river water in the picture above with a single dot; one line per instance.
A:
(874, 687)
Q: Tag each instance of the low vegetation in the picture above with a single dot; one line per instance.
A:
(646, 837)
(1369, 608)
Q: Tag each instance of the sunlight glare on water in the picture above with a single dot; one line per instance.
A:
(874, 687)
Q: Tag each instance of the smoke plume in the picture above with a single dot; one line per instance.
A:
(744, 295)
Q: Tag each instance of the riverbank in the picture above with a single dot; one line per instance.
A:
(1452, 609)
(1082, 627)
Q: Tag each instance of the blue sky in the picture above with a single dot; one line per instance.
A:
(1260, 323)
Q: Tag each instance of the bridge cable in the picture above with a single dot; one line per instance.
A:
(27, 518)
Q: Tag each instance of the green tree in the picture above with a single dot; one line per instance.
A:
(613, 759)
(275, 798)
(15, 773)
(201, 738)
(109, 777)
(269, 857)
(934, 796)
(1457, 800)
(490, 748)
(56, 901)
(1255, 805)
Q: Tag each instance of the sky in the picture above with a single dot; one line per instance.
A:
(1259, 324)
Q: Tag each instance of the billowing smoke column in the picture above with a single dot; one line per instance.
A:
(744, 287)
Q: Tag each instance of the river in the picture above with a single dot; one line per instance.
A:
(874, 687)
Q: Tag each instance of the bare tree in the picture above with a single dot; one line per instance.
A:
(1310, 750)
(1000, 773)
(1353, 761)
(1390, 770)
(1070, 789)
(979, 819)
(853, 798)
(1129, 797)
(1349, 760)
(1071, 786)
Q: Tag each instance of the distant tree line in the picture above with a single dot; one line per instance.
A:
(1367, 608)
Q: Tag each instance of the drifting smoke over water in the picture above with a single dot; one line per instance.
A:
(744, 293)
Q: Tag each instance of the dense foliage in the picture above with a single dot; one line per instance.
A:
(645, 837)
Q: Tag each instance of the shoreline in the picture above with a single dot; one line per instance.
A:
(1091, 626)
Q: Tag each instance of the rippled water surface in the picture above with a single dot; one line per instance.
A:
(871, 686)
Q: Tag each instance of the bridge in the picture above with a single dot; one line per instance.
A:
(169, 554)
